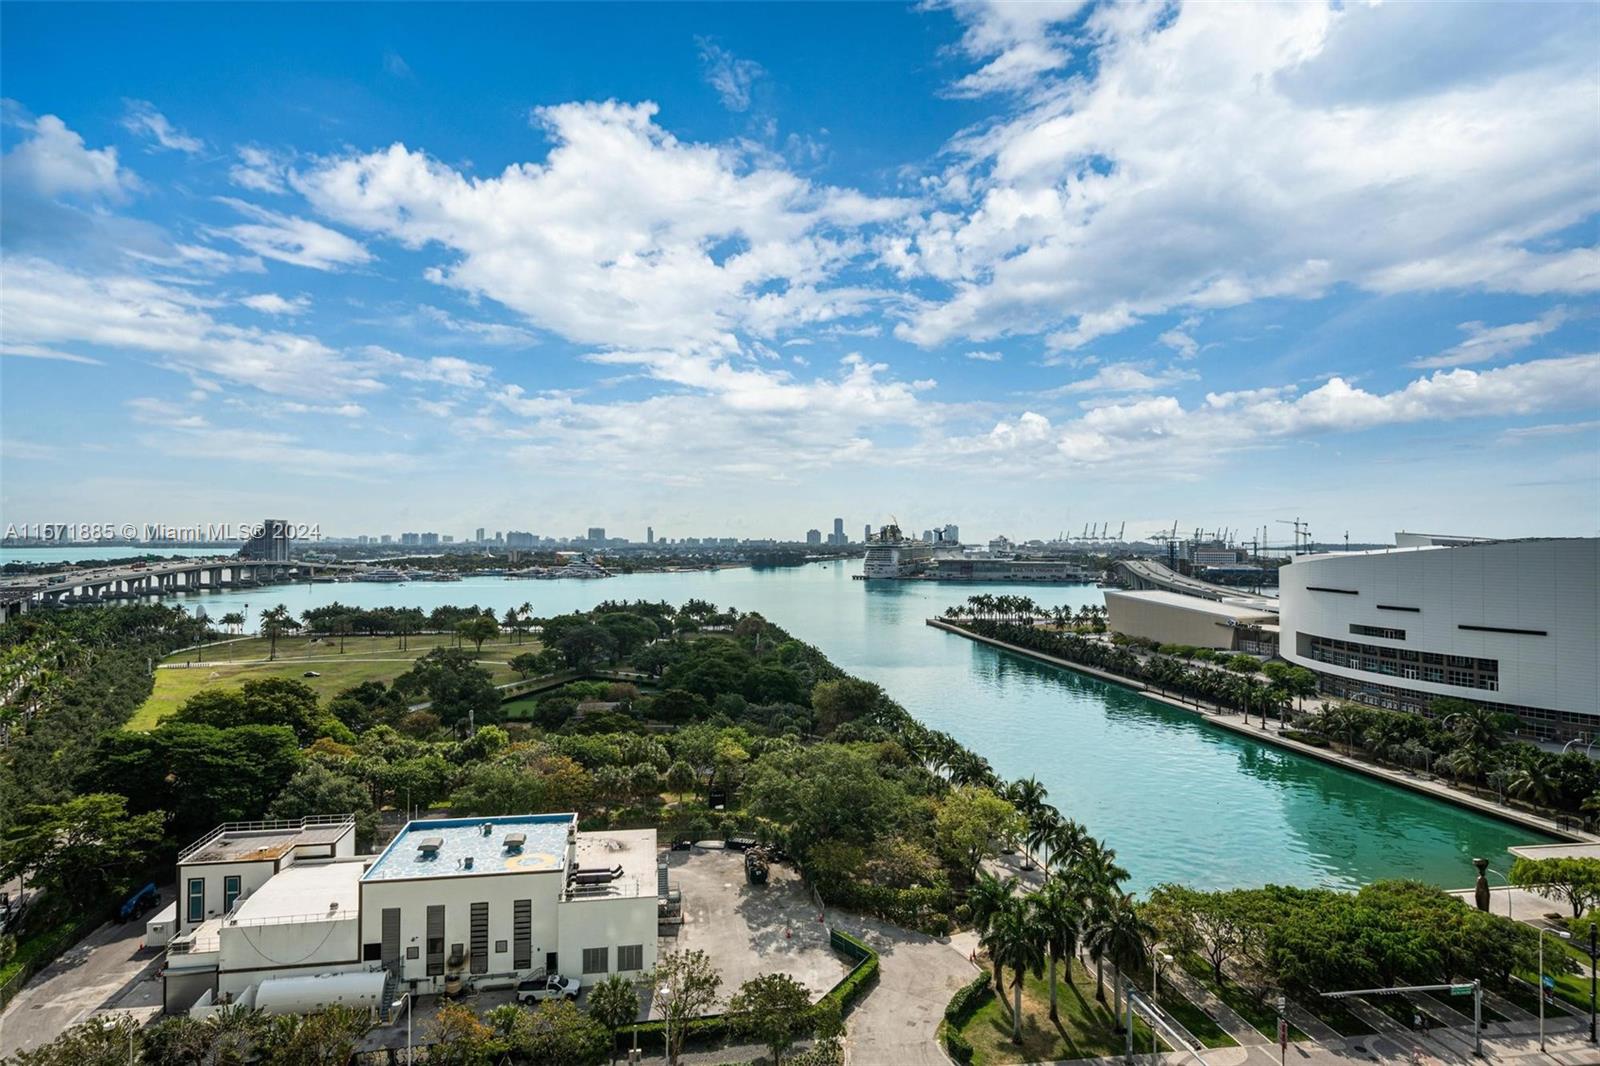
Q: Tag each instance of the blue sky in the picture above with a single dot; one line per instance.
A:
(736, 269)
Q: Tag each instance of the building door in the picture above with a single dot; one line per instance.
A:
(230, 892)
(550, 959)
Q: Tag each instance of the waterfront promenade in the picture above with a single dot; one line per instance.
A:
(1241, 724)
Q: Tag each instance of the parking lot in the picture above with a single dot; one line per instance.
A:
(108, 971)
(749, 930)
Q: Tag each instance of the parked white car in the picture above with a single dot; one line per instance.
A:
(541, 987)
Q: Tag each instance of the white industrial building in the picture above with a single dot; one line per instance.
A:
(1513, 625)
(449, 902)
(1248, 624)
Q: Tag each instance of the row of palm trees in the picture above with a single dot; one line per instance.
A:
(1022, 610)
(1081, 907)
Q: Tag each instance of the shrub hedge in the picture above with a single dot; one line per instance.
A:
(968, 998)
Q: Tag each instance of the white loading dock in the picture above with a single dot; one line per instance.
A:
(461, 900)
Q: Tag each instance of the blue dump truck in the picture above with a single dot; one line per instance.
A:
(141, 902)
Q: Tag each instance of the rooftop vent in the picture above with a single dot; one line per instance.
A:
(487, 828)
(467, 862)
(514, 841)
(428, 847)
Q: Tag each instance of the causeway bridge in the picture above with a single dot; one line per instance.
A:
(137, 581)
(1141, 574)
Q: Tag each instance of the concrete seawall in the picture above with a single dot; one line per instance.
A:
(1436, 789)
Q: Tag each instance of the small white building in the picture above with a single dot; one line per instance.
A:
(449, 902)
(464, 899)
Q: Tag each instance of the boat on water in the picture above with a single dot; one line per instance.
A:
(579, 566)
(894, 557)
(891, 556)
(383, 575)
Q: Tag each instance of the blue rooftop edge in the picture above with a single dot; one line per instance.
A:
(388, 865)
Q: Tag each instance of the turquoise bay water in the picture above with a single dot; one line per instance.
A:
(1178, 799)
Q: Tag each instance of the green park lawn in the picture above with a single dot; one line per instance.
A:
(1085, 1029)
(364, 659)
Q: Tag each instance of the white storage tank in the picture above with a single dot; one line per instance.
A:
(162, 927)
(362, 990)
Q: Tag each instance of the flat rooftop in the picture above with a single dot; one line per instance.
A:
(454, 840)
(306, 891)
(1247, 609)
(265, 841)
(632, 849)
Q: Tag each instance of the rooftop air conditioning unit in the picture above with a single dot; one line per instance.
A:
(515, 841)
(428, 847)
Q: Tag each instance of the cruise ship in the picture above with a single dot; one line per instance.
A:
(891, 556)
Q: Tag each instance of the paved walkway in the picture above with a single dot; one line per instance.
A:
(1225, 1016)
(897, 1021)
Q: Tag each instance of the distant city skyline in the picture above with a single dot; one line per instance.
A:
(1018, 267)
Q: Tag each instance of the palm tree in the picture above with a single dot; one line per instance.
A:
(1468, 761)
(985, 899)
(274, 623)
(1099, 882)
(1479, 726)
(1067, 845)
(1534, 779)
(1027, 796)
(1015, 944)
(1120, 935)
(1042, 828)
(1059, 916)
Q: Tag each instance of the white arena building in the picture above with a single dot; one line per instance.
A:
(1513, 625)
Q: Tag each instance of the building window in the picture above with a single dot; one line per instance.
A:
(630, 957)
(595, 960)
(1377, 631)
(197, 899)
(500, 947)
(372, 952)
(413, 952)
(230, 892)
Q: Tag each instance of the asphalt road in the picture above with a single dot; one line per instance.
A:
(106, 970)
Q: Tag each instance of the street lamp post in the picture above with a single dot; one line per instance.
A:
(1283, 1028)
(1593, 955)
(1564, 935)
(1155, 993)
(666, 1018)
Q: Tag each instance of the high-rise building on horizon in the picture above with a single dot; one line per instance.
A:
(866, 533)
(837, 538)
(649, 534)
(952, 533)
(597, 535)
(813, 537)
(270, 543)
(479, 537)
